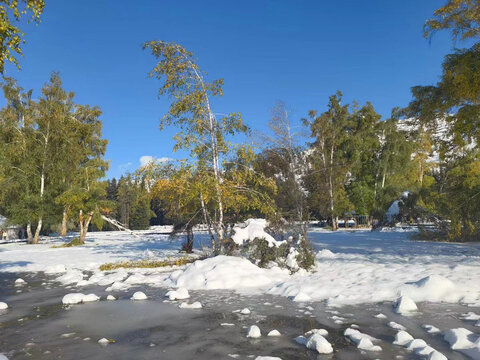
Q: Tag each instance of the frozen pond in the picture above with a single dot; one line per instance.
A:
(37, 326)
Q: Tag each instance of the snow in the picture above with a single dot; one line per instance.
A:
(322, 332)
(224, 272)
(363, 341)
(402, 338)
(254, 332)
(179, 294)
(103, 341)
(405, 306)
(274, 332)
(352, 267)
(20, 282)
(464, 341)
(90, 298)
(3, 306)
(381, 316)
(265, 358)
(3, 357)
(431, 329)
(245, 311)
(111, 297)
(73, 298)
(320, 344)
(396, 326)
(253, 229)
(194, 305)
(139, 296)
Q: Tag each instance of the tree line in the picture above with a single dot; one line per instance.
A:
(345, 160)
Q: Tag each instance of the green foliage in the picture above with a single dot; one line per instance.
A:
(306, 255)
(460, 16)
(261, 254)
(11, 37)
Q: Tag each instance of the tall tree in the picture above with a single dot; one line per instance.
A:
(202, 133)
(329, 163)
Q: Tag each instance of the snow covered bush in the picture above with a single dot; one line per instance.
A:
(306, 256)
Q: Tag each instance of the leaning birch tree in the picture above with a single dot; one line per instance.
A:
(201, 132)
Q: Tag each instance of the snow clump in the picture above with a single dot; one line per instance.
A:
(3, 306)
(195, 305)
(139, 296)
(253, 229)
(179, 294)
(274, 332)
(363, 341)
(254, 332)
(405, 306)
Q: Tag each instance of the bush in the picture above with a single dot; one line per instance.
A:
(306, 256)
(261, 254)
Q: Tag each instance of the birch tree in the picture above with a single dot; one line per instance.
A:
(201, 131)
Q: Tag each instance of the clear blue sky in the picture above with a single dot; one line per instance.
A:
(296, 51)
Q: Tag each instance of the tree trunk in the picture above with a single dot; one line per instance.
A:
(63, 231)
(37, 231)
(188, 245)
(29, 234)
(207, 222)
(84, 223)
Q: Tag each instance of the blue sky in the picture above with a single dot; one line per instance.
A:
(296, 51)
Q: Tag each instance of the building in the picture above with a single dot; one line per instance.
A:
(10, 232)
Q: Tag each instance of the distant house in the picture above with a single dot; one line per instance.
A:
(10, 232)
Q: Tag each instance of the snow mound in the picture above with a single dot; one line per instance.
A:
(396, 326)
(55, 269)
(139, 296)
(90, 298)
(3, 306)
(464, 341)
(433, 288)
(70, 277)
(274, 332)
(431, 329)
(179, 294)
(405, 306)
(380, 316)
(325, 254)
(363, 341)
(73, 298)
(195, 305)
(111, 297)
(436, 355)
(104, 341)
(253, 229)
(322, 332)
(223, 272)
(245, 311)
(262, 358)
(20, 282)
(320, 344)
(402, 338)
(254, 332)
(301, 297)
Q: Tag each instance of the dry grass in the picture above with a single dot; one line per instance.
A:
(74, 242)
(147, 263)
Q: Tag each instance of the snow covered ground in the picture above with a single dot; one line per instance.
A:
(353, 268)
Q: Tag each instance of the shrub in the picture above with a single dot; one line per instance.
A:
(261, 254)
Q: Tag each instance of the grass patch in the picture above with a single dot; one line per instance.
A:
(147, 263)
(75, 242)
